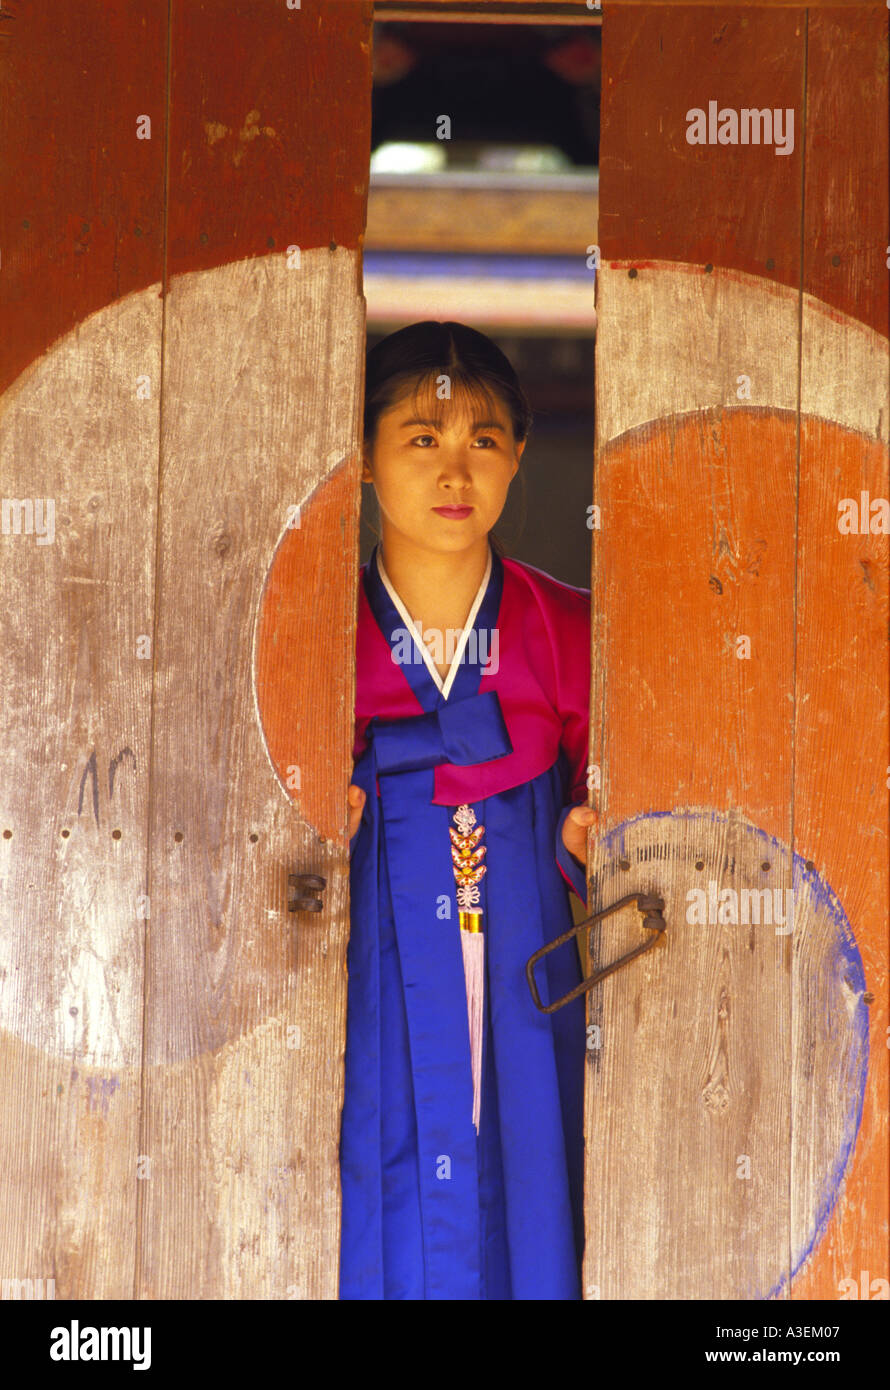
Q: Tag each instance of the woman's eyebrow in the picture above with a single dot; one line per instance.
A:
(437, 424)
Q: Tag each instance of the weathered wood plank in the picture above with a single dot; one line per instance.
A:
(844, 256)
(681, 724)
(684, 1076)
(738, 922)
(697, 490)
(84, 222)
(662, 198)
(754, 486)
(243, 1201)
(841, 729)
(262, 371)
(83, 202)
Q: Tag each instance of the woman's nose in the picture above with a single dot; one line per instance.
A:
(455, 467)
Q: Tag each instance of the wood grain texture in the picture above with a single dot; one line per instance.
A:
(695, 560)
(738, 341)
(254, 414)
(83, 221)
(269, 128)
(700, 1072)
(713, 328)
(708, 1115)
(847, 191)
(220, 1138)
(74, 798)
(720, 520)
(740, 206)
(841, 799)
(305, 594)
(840, 106)
(86, 223)
(842, 805)
(81, 217)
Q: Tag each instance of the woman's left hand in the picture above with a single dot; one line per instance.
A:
(574, 831)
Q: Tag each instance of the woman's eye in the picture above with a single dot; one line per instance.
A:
(483, 439)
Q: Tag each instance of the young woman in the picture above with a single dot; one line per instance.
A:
(461, 1145)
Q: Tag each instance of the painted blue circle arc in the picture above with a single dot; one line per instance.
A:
(849, 962)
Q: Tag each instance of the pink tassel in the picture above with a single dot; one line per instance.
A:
(473, 944)
(466, 856)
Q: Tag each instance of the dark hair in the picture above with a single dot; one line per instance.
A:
(421, 352)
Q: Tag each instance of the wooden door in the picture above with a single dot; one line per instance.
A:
(737, 1072)
(181, 371)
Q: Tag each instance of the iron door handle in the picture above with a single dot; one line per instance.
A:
(652, 909)
(307, 886)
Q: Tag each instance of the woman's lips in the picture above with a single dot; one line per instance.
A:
(456, 513)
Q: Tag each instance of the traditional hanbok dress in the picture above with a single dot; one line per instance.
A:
(432, 1206)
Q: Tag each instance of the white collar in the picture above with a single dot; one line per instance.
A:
(445, 687)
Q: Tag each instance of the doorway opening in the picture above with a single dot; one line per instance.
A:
(495, 227)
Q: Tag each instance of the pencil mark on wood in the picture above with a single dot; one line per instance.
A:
(90, 771)
(101, 1089)
(115, 763)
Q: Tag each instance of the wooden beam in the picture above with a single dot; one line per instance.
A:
(534, 219)
(452, 13)
(563, 12)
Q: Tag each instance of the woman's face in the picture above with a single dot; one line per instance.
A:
(444, 454)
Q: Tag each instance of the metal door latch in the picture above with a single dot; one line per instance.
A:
(307, 885)
(652, 909)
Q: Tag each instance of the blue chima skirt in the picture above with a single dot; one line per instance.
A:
(430, 1209)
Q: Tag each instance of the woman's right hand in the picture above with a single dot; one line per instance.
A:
(356, 798)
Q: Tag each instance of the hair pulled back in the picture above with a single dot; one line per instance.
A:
(422, 352)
